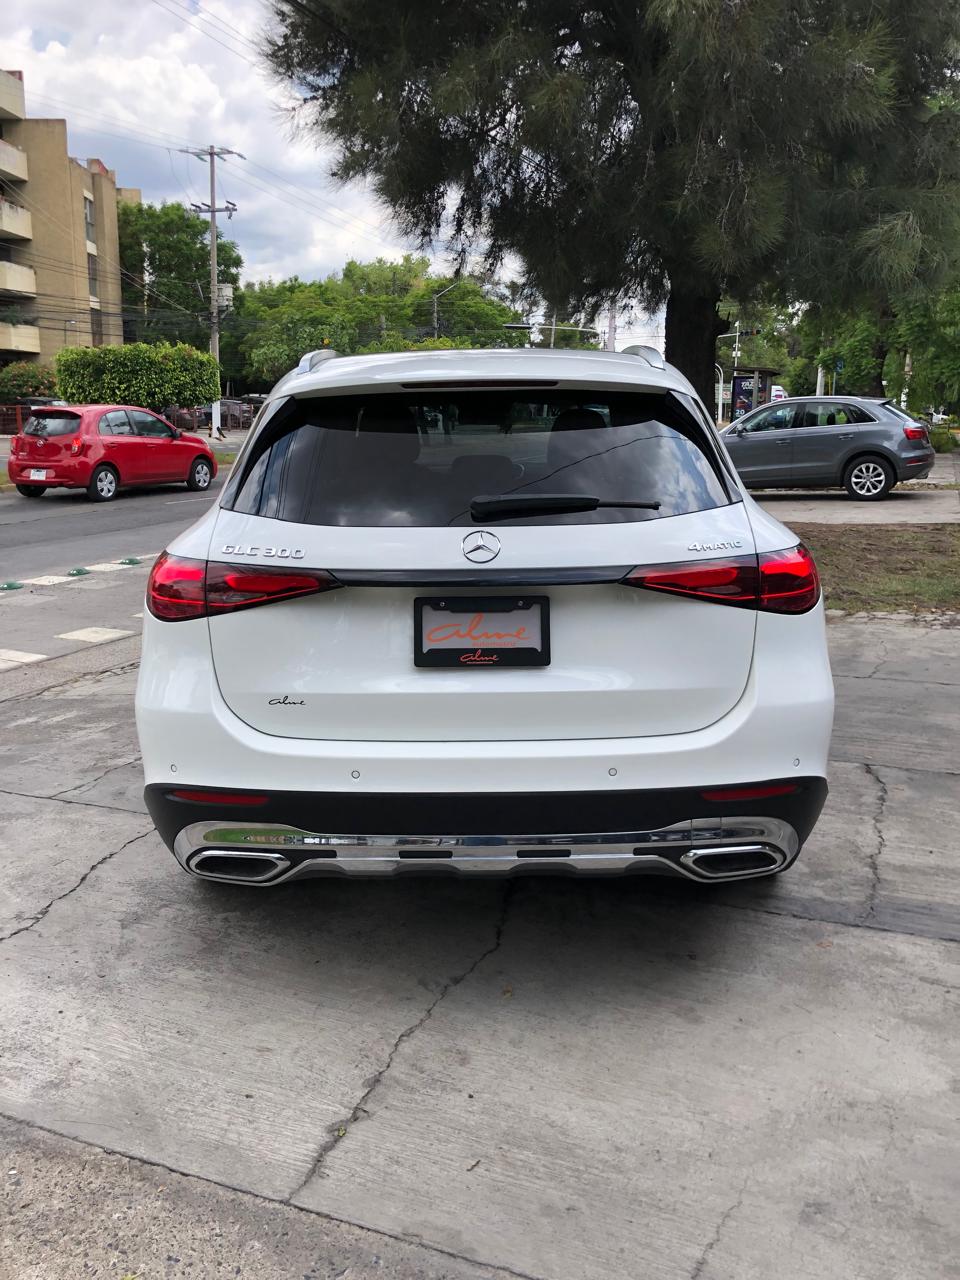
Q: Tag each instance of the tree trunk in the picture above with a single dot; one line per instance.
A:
(692, 326)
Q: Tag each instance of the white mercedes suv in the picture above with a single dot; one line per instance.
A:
(484, 612)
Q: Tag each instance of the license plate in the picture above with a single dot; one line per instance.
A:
(38, 473)
(486, 631)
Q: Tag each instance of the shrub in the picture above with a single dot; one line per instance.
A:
(154, 375)
(942, 439)
(22, 379)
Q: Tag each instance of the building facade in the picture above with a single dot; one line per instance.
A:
(59, 246)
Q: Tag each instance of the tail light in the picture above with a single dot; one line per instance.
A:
(76, 445)
(179, 588)
(915, 433)
(775, 582)
(14, 446)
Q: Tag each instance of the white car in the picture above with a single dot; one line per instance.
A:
(484, 612)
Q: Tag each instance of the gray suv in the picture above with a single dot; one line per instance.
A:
(816, 442)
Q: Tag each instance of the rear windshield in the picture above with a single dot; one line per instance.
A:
(419, 459)
(51, 424)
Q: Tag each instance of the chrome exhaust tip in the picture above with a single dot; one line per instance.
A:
(239, 868)
(734, 862)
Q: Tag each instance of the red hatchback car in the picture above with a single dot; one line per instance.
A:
(103, 448)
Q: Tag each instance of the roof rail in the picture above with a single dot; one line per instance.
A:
(312, 359)
(650, 354)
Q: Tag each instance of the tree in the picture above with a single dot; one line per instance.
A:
(21, 378)
(165, 253)
(666, 150)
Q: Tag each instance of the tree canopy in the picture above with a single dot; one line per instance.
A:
(165, 253)
(369, 306)
(663, 149)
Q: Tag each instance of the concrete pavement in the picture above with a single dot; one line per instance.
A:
(551, 1079)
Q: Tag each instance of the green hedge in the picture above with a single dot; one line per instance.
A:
(23, 378)
(942, 439)
(154, 375)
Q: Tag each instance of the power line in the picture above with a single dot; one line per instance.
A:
(230, 49)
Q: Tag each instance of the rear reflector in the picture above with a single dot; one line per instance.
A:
(180, 588)
(239, 799)
(776, 581)
(759, 792)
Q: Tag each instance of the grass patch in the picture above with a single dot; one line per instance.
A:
(886, 567)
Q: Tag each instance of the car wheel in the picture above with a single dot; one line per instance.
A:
(32, 490)
(201, 474)
(103, 485)
(869, 479)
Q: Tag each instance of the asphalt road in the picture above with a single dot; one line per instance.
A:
(63, 529)
(544, 1079)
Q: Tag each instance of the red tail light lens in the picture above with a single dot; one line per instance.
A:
(180, 588)
(76, 445)
(760, 792)
(734, 581)
(234, 586)
(776, 582)
(243, 799)
(915, 433)
(789, 582)
(175, 589)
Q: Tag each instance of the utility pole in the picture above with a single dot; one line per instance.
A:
(553, 331)
(436, 315)
(211, 154)
(612, 327)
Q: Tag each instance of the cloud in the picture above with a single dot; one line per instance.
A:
(137, 82)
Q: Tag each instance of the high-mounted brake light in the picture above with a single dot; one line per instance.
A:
(181, 588)
(774, 582)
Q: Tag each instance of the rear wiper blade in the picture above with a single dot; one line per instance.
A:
(537, 504)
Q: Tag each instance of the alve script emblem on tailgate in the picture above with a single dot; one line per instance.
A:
(715, 546)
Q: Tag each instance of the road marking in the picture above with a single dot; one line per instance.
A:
(109, 567)
(172, 502)
(46, 580)
(136, 615)
(17, 655)
(94, 635)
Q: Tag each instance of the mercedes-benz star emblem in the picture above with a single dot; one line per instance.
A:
(481, 546)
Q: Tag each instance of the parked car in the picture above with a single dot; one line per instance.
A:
(103, 448)
(555, 635)
(816, 442)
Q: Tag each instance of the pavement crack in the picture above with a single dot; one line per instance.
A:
(61, 799)
(714, 1240)
(91, 782)
(35, 919)
(341, 1129)
(873, 858)
(498, 1269)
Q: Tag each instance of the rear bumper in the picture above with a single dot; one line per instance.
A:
(73, 474)
(294, 835)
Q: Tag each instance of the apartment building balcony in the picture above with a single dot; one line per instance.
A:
(11, 97)
(20, 339)
(13, 162)
(17, 281)
(15, 222)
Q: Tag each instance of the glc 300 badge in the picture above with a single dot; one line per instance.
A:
(270, 553)
(715, 546)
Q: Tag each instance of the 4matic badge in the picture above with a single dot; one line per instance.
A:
(715, 546)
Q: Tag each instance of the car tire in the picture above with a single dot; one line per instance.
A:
(31, 490)
(869, 479)
(104, 484)
(201, 474)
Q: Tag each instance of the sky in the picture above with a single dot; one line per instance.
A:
(137, 81)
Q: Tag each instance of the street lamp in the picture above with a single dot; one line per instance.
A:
(65, 323)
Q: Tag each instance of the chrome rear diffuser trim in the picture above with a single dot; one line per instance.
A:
(681, 849)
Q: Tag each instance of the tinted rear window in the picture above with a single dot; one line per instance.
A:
(418, 459)
(51, 424)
